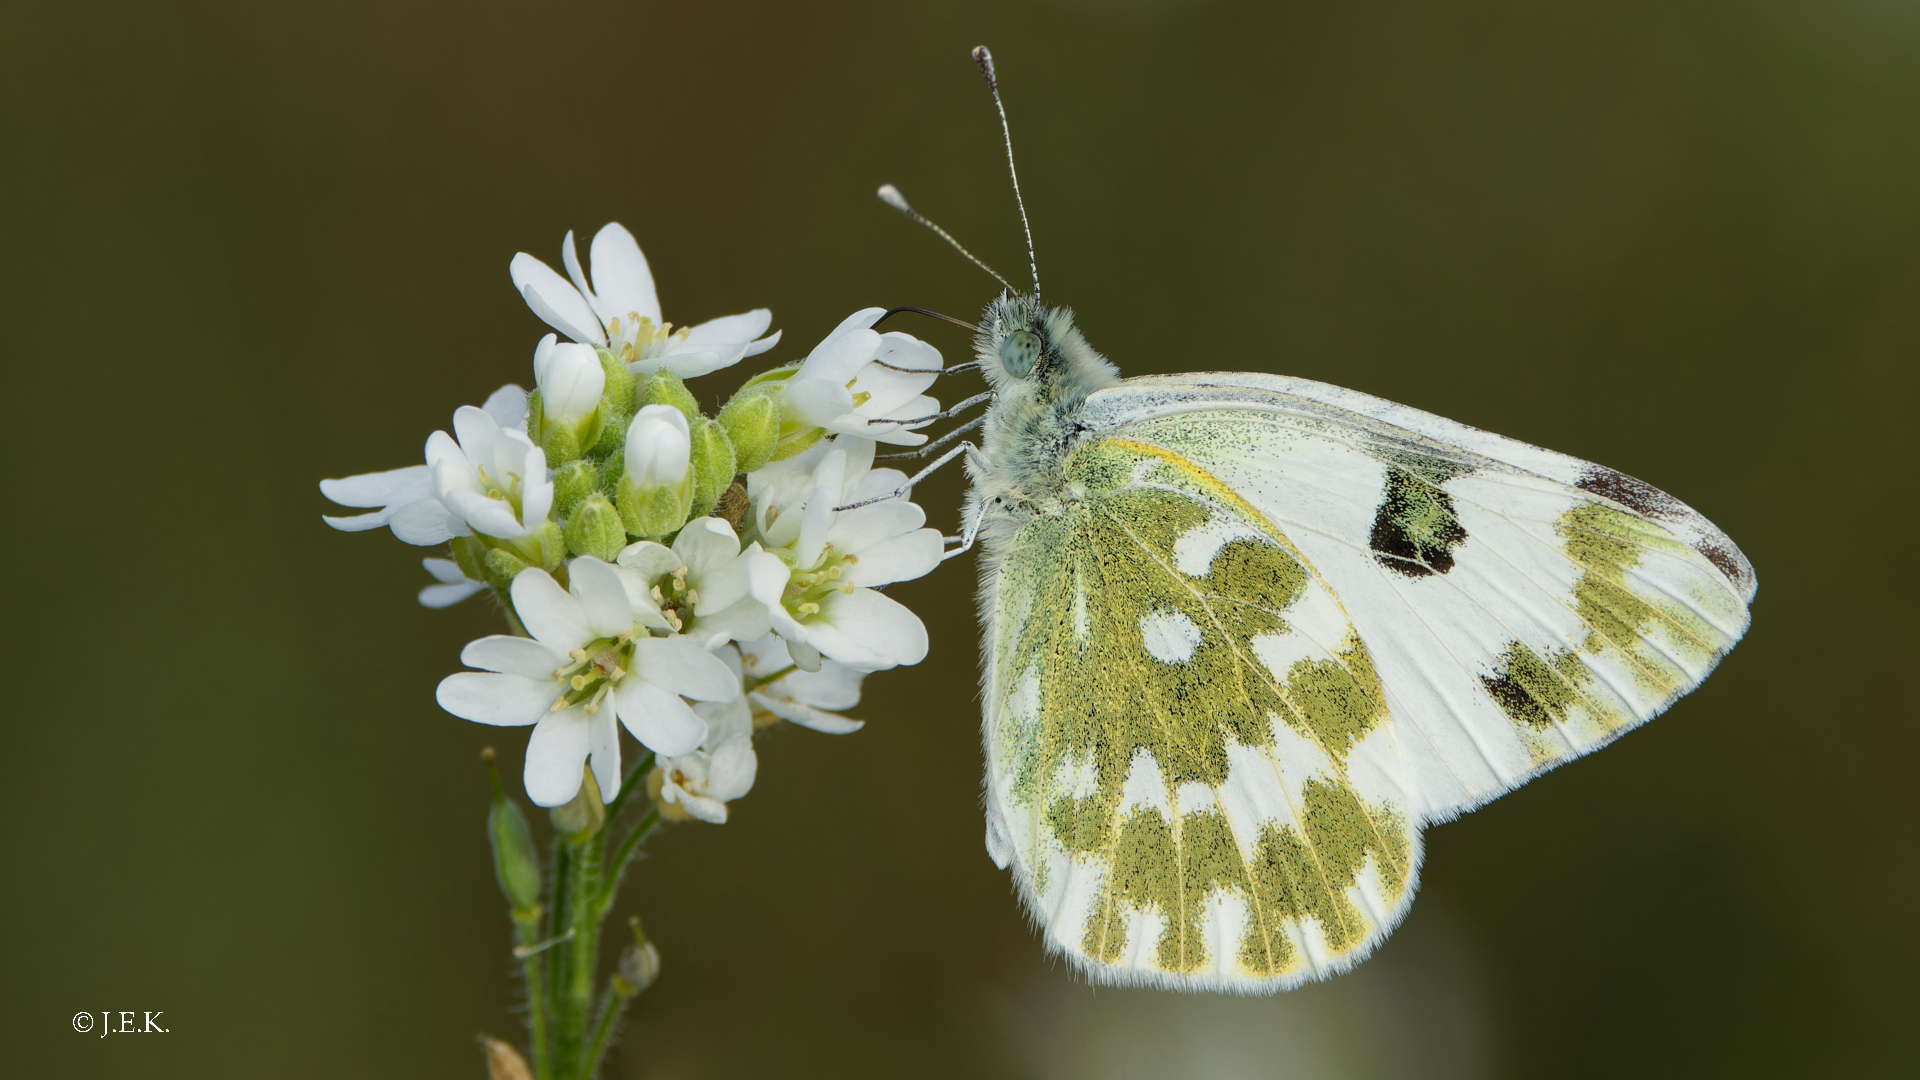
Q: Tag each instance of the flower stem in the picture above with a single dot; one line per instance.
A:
(635, 779)
(611, 1006)
(617, 866)
(576, 991)
(526, 925)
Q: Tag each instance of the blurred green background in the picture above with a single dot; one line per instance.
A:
(245, 246)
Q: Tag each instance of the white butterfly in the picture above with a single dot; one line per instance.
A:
(1245, 635)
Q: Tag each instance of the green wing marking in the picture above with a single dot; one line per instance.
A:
(1082, 583)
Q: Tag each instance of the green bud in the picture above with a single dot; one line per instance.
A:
(536, 415)
(561, 445)
(616, 405)
(571, 484)
(515, 862)
(639, 963)
(581, 818)
(752, 423)
(470, 557)
(502, 566)
(713, 465)
(552, 543)
(656, 511)
(666, 388)
(612, 469)
(595, 529)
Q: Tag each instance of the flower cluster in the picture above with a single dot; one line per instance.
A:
(685, 577)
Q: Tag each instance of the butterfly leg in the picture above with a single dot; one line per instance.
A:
(955, 411)
(937, 443)
(973, 530)
(963, 448)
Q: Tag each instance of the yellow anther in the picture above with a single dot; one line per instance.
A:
(559, 703)
(809, 608)
(693, 596)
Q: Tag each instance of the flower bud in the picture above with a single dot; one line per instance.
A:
(470, 557)
(503, 1061)
(502, 567)
(595, 529)
(752, 422)
(617, 405)
(565, 418)
(572, 483)
(551, 544)
(515, 862)
(582, 817)
(666, 388)
(656, 487)
(713, 465)
(640, 963)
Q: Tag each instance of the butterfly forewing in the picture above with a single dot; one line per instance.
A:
(1274, 628)
(1188, 759)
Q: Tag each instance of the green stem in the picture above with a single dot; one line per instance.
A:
(558, 914)
(576, 992)
(526, 926)
(635, 779)
(611, 1006)
(617, 866)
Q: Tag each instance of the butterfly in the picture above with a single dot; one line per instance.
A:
(1245, 635)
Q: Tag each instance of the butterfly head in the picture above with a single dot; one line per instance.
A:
(1025, 344)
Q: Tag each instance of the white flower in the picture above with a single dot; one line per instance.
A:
(659, 448)
(406, 497)
(454, 586)
(819, 587)
(494, 478)
(843, 387)
(620, 312)
(571, 381)
(698, 587)
(811, 699)
(586, 664)
(722, 769)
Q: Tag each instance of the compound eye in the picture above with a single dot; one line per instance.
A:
(1019, 352)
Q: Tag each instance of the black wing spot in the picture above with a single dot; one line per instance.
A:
(1637, 495)
(1415, 530)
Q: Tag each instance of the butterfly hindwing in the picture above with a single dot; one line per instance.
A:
(1279, 626)
(1185, 759)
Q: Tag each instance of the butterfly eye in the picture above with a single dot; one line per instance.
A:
(1019, 352)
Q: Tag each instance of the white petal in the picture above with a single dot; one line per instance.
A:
(508, 405)
(448, 464)
(805, 656)
(557, 303)
(684, 668)
(693, 362)
(859, 320)
(889, 392)
(388, 488)
(661, 721)
(730, 774)
(840, 357)
(762, 657)
(906, 351)
(548, 612)
(854, 531)
(515, 656)
(814, 525)
(806, 716)
(501, 700)
(555, 757)
(834, 686)
(426, 523)
(570, 258)
(603, 598)
(869, 630)
(603, 750)
(711, 811)
(488, 517)
(818, 401)
(649, 560)
(901, 558)
(360, 522)
(443, 596)
(743, 620)
(755, 348)
(621, 280)
(444, 571)
(659, 447)
(706, 546)
(571, 380)
(731, 329)
(877, 483)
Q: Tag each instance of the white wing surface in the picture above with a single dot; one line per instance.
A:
(1273, 628)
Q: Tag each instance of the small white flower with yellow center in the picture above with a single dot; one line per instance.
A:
(588, 663)
(819, 582)
(697, 587)
(861, 382)
(620, 312)
(493, 477)
(405, 497)
(701, 784)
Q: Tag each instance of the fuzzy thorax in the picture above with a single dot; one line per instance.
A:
(1041, 369)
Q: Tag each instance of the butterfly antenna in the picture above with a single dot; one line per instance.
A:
(985, 59)
(892, 197)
